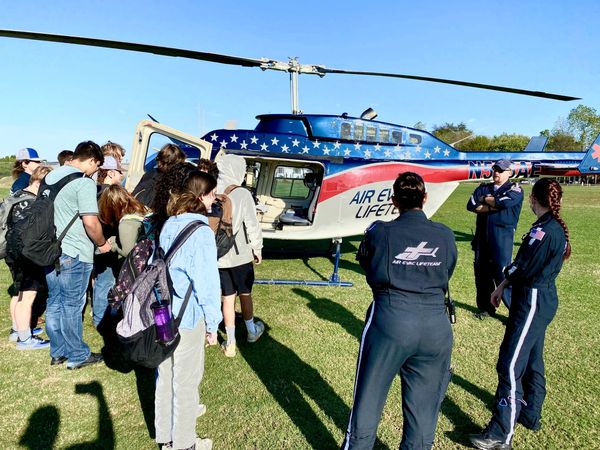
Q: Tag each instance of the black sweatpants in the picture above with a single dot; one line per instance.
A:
(413, 339)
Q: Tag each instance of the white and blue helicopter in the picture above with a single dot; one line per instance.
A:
(330, 176)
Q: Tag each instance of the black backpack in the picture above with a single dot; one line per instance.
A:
(136, 331)
(34, 236)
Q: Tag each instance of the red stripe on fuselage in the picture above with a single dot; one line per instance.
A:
(375, 173)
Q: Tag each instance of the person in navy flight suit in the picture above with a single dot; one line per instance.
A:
(408, 263)
(497, 206)
(521, 381)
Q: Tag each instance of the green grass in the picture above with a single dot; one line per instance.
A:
(293, 389)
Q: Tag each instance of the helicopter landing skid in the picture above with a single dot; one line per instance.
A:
(334, 279)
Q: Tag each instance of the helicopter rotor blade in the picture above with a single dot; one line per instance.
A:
(263, 63)
(132, 46)
(491, 87)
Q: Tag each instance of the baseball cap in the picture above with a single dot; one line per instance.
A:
(503, 164)
(28, 154)
(111, 163)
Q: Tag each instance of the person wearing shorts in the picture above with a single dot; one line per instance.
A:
(236, 268)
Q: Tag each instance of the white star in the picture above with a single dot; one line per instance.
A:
(377, 147)
(254, 139)
(387, 153)
(223, 143)
(336, 145)
(234, 138)
(357, 146)
(214, 137)
(436, 149)
(285, 149)
(418, 148)
(326, 150)
(263, 147)
(407, 154)
(295, 142)
(316, 144)
(305, 149)
(347, 152)
(367, 154)
(274, 141)
(244, 145)
(398, 146)
(427, 154)
(446, 152)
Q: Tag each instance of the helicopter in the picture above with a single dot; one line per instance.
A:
(330, 176)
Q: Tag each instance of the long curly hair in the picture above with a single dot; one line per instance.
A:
(548, 193)
(115, 202)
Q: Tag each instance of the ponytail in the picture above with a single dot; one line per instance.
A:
(548, 193)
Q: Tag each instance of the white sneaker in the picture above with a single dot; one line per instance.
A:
(201, 410)
(229, 350)
(203, 444)
(260, 329)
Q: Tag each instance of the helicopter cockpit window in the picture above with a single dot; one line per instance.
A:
(384, 135)
(415, 139)
(346, 131)
(157, 141)
(371, 134)
(396, 137)
(358, 131)
(289, 182)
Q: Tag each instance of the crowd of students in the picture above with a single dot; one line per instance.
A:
(406, 331)
(109, 222)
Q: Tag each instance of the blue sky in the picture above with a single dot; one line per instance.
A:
(53, 96)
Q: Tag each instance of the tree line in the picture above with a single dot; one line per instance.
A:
(575, 133)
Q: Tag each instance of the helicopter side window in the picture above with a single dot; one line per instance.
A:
(384, 135)
(371, 134)
(346, 132)
(289, 182)
(358, 131)
(396, 137)
(415, 138)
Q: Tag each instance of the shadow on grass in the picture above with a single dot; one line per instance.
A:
(463, 423)
(288, 379)
(332, 312)
(44, 423)
(474, 310)
(145, 378)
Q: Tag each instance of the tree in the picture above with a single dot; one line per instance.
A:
(584, 123)
(509, 142)
(478, 143)
(561, 142)
(450, 132)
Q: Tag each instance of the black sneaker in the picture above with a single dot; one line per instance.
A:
(535, 427)
(483, 441)
(94, 358)
(58, 360)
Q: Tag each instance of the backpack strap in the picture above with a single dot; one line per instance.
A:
(179, 240)
(55, 188)
(230, 189)
(53, 191)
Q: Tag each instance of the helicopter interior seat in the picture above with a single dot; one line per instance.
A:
(303, 216)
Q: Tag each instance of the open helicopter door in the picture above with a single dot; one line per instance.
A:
(149, 137)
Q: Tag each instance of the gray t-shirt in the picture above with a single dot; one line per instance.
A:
(77, 196)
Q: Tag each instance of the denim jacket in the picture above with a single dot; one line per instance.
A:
(195, 262)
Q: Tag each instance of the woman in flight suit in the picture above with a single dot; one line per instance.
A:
(408, 263)
(521, 381)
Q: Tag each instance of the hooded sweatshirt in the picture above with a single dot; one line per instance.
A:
(248, 235)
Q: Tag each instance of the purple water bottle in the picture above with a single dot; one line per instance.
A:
(163, 321)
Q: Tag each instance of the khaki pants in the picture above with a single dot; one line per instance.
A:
(177, 393)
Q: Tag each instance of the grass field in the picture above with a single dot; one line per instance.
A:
(293, 389)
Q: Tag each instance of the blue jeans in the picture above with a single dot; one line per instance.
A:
(66, 299)
(105, 279)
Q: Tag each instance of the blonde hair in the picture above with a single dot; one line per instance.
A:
(113, 149)
(39, 173)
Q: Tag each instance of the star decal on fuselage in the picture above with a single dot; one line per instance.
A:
(254, 139)
(264, 147)
(234, 138)
(214, 137)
